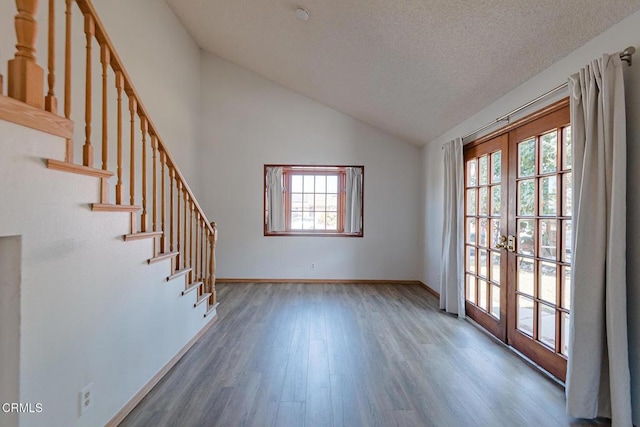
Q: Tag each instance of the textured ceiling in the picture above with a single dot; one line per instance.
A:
(414, 68)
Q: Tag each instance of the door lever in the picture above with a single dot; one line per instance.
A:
(502, 243)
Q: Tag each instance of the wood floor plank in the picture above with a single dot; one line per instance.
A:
(348, 355)
(344, 404)
(291, 414)
(295, 382)
(318, 401)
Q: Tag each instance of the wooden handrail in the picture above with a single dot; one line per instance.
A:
(116, 64)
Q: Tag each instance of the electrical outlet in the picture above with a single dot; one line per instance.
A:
(313, 265)
(86, 399)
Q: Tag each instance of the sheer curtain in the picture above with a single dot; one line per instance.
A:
(353, 211)
(452, 265)
(598, 379)
(275, 200)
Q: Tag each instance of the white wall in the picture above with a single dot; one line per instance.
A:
(92, 310)
(249, 121)
(615, 39)
(164, 64)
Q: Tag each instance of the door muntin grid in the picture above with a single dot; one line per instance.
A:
(543, 227)
(483, 210)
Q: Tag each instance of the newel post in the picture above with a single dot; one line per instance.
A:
(212, 260)
(25, 78)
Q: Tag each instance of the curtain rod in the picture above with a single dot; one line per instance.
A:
(626, 55)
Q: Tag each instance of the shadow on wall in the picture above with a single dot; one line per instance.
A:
(10, 267)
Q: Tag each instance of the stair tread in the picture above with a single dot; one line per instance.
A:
(211, 309)
(191, 287)
(78, 169)
(162, 256)
(179, 273)
(107, 207)
(142, 235)
(202, 298)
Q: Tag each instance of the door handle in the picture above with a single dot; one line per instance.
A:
(502, 243)
(508, 243)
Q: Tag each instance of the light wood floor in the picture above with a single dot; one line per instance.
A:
(347, 355)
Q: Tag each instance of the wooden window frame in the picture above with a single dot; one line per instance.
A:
(288, 171)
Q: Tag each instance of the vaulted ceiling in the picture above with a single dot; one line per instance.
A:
(414, 68)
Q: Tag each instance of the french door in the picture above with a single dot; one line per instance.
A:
(518, 236)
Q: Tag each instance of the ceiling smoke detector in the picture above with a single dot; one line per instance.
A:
(302, 14)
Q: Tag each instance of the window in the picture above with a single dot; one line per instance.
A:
(313, 200)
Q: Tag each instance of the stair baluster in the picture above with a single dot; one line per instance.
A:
(50, 101)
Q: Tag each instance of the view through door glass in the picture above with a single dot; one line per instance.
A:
(540, 218)
(485, 223)
(518, 237)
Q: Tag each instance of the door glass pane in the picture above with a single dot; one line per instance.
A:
(526, 197)
(564, 347)
(496, 167)
(471, 201)
(566, 241)
(471, 230)
(547, 274)
(495, 267)
(482, 263)
(471, 259)
(484, 202)
(525, 275)
(495, 232)
(567, 148)
(566, 287)
(525, 236)
(495, 200)
(547, 238)
(549, 194)
(482, 232)
(527, 158)
(495, 301)
(525, 315)
(483, 170)
(567, 193)
(482, 294)
(472, 173)
(471, 288)
(321, 202)
(549, 152)
(547, 325)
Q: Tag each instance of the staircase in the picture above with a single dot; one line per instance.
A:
(119, 150)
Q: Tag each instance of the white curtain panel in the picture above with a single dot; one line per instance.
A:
(598, 379)
(353, 211)
(275, 199)
(452, 265)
